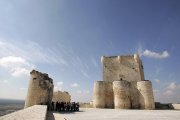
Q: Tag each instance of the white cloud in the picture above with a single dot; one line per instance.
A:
(156, 55)
(79, 92)
(2, 43)
(16, 66)
(74, 85)
(13, 61)
(157, 80)
(19, 71)
(5, 81)
(81, 96)
(60, 83)
(155, 91)
(58, 86)
(140, 48)
(87, 91)
(23, 88)
(172, 86)
(83, 92)
(168, 93)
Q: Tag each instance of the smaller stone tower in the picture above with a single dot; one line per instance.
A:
(99, 94)
(60, 96)
(40, 90)
(146, 97)
(121, 94)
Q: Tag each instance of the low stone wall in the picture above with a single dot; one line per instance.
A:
(36, 112)
(162, 106)
(175, 106)
(85, 105)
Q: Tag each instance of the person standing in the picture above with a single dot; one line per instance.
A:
(52, 105)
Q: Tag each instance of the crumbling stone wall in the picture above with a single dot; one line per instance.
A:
(40, 90)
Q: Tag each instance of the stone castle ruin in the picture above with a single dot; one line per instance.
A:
(60, 96)
(123, 85)
(40, 90)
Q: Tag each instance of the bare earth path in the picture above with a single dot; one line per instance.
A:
(112, 114)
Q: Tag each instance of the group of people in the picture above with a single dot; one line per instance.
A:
(64, 106)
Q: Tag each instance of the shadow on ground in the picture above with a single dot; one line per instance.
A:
(50, 116)
(70, 112)
(54, 115)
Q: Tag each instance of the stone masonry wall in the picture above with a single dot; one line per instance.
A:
(122, 68)
(61, 96)
(125, 75)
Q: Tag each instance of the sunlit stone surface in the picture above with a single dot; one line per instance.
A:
(117, 114)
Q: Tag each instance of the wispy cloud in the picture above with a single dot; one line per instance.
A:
(155, 91)
(139, 48)
(23, 88)
(151, 54)
(16, 66)
(157, 80)
(58, 86)
(82, 95)
(85, 92)
(4, 81)
(173, 86)
(60, 83)
(79, 92)
(84, 73)
(168, 93)
(172, 89)
(75, 85)
(31, 51)
(79, 64)
(94, 62)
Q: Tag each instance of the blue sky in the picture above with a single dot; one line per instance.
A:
(66, 39)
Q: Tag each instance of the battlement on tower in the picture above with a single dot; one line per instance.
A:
(127, 67)
(120, 59)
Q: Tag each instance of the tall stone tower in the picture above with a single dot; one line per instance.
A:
(123, 85)
(40, 90)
